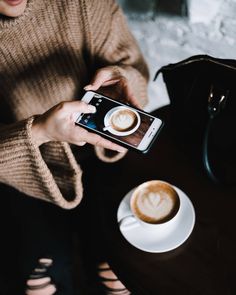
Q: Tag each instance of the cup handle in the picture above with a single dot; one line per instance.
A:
(128, 222)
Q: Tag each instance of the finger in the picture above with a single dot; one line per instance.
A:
(81, 143)
(128, 94)
(101, 76)
(77, 106)
(110, 82)
(97, 140)
(133, 101)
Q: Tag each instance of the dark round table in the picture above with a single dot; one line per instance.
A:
(204, 264)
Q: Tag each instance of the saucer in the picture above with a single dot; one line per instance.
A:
(148, 240)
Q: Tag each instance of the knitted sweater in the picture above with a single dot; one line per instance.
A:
(48, 55)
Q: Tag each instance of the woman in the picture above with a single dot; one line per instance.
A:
(49, 51)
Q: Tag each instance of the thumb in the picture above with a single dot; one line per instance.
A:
(77, 107)
(80, 107)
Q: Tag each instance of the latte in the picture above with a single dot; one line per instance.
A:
(123, 120)
(155, 202)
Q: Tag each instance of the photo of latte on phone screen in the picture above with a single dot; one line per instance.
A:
(121, 123)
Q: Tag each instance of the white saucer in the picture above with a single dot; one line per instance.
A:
(147, 240)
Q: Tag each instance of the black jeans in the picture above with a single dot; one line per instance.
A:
(33, 229)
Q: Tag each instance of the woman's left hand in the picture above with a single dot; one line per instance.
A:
(113, 84)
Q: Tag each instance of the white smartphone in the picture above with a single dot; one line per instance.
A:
(119, 122)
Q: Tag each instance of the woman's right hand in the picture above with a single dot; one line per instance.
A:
(58, 124)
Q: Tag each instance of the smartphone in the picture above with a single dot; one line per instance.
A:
(120, 123)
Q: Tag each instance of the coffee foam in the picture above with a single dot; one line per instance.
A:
(123, 120)
(155, 202)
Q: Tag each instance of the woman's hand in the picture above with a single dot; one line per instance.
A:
(113, 84)
(58, 124)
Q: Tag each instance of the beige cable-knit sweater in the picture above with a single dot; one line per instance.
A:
(47, 55)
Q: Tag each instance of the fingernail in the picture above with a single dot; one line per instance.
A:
(87, 87)
(92, 108)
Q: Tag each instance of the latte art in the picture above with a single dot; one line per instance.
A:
(123, 120)
(156, 202)
(155, 206)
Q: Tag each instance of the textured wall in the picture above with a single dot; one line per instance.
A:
(210, 28)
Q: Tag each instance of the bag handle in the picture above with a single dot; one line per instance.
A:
(216, 103)
(227, 63)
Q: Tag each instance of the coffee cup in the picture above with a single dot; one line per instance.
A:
(121, 121)
(154, 204)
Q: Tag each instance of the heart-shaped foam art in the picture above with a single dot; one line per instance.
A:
(155, 205)
(156, 202)
(123, 120)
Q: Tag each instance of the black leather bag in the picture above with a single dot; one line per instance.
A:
(202, 92)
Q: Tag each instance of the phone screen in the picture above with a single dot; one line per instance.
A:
(117, 121)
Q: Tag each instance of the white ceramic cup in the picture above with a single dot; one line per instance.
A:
(165, 223)
(112, 112)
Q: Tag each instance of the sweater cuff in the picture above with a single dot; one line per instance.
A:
(60, 183)
(23, 167)
(104, 156)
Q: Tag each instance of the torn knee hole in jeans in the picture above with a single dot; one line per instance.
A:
(39, 282)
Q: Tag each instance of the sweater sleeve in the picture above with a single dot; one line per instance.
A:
(112, 44)
(23, 167)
